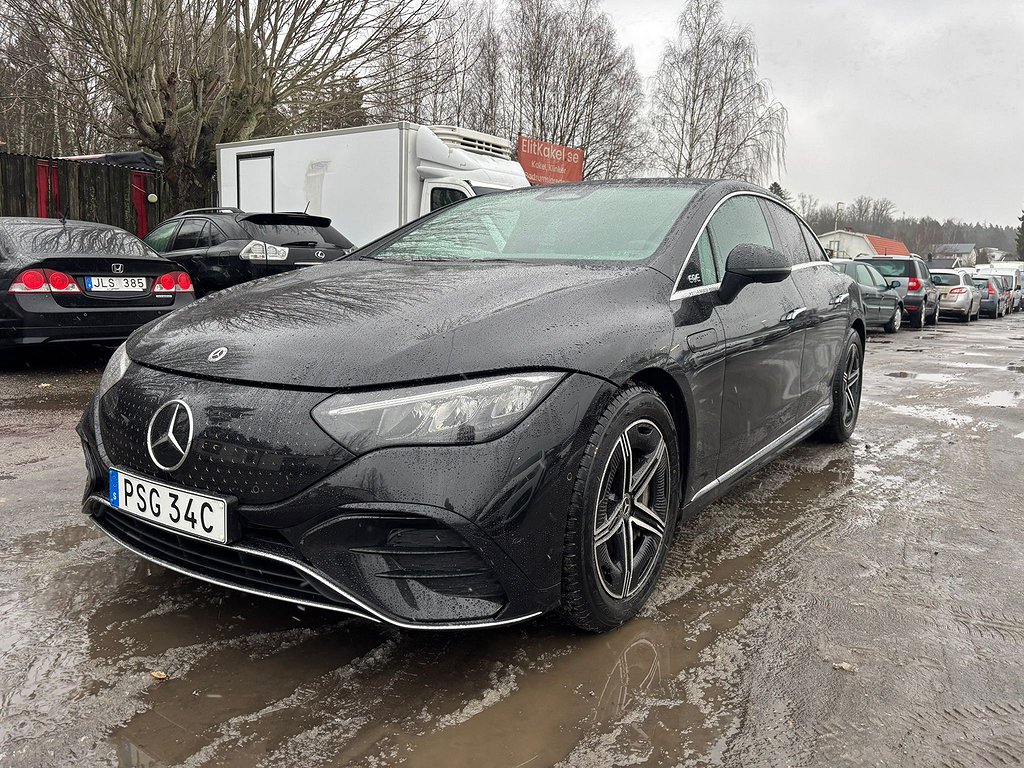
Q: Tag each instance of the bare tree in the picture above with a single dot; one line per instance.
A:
(188, 74)
(711, 114)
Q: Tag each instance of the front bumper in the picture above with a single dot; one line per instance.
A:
(425, 536)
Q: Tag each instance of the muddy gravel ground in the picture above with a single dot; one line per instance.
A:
(850, 605)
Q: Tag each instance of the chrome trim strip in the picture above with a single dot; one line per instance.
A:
(820, 411)
(689, 254)
(371, 613)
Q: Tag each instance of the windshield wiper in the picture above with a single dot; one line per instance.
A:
(307, 243)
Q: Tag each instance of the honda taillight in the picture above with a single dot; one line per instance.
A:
(30, 281)
(913, 284)
(44, 281)
(173, 282)
(61, 283)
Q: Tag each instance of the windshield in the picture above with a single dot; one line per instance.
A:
(601, 223)
(288, 231)
(49, 236)
(945, 278)
(892, 267)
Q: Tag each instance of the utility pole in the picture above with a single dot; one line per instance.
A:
(839, 210)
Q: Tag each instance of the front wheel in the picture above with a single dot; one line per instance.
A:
(846, 387)
(623, 512)
(933, 318)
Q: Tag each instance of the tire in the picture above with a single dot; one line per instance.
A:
(895, 321)
(934, 318)
(917, 319)
(967, 317)
(845, 399)
(605, 521)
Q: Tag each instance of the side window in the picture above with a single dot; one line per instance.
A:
(160, 238)
(814, 249)
(863, 276)
(191, 235)
(701, 268)
(738, 221)
(216, 234)
(445, 196)
(880, 282)
(787, 226)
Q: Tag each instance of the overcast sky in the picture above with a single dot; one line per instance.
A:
(920, 101)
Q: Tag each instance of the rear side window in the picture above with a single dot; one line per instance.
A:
(281, 230)
(894, 267)
(738, 221)
(814, 249)
(191, 235)
(791, 239)
(216, 235)
(864, 275)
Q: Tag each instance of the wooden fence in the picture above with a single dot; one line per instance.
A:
(87, 191)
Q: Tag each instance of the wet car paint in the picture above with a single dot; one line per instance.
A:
(871, 555)
(363, 323)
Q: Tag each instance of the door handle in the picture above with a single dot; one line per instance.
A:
(842, 297)
(793, 314)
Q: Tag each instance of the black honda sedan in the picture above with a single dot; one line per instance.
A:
(79, 281)
(502, 409)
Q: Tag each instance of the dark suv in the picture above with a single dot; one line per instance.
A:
(910, 277)
(220, 247)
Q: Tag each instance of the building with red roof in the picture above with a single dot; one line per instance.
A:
(846, 244)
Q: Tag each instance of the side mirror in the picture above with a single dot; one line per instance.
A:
(749, 263)
(894, 284)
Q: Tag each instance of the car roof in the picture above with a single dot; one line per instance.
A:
(893, 257)
(37, 220)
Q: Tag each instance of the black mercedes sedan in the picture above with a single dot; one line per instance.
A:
(78, 281)
(501, 409)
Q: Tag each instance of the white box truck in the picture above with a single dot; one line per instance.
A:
(367, 180)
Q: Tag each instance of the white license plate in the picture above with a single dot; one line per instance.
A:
(174, 508)
(115, 284)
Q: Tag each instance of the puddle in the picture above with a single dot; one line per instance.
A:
(977, 366)
(933, 377)
(997, 399)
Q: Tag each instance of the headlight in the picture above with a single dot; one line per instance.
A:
(115, 369)
(450, 413)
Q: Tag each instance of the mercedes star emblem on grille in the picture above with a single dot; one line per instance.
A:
(169, 436)
(217, 354)
(117, 269)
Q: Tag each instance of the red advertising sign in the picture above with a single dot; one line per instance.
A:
(547, 163)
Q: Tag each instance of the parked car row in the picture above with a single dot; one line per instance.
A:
(902, 289)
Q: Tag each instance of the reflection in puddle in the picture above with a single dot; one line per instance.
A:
(997, 399)
(935, 377)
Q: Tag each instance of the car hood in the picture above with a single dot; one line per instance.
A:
(360, 323)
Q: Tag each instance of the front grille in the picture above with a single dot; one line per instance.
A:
(225, 564)
(258, 445)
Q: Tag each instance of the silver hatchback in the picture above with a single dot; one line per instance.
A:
(958, 295)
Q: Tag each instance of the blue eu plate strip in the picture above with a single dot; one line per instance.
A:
(88, 287)
(113, 488)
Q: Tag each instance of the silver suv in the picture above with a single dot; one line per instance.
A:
(910, 277)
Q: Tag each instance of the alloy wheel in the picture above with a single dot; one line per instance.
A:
(851, 387)
(630, 517)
